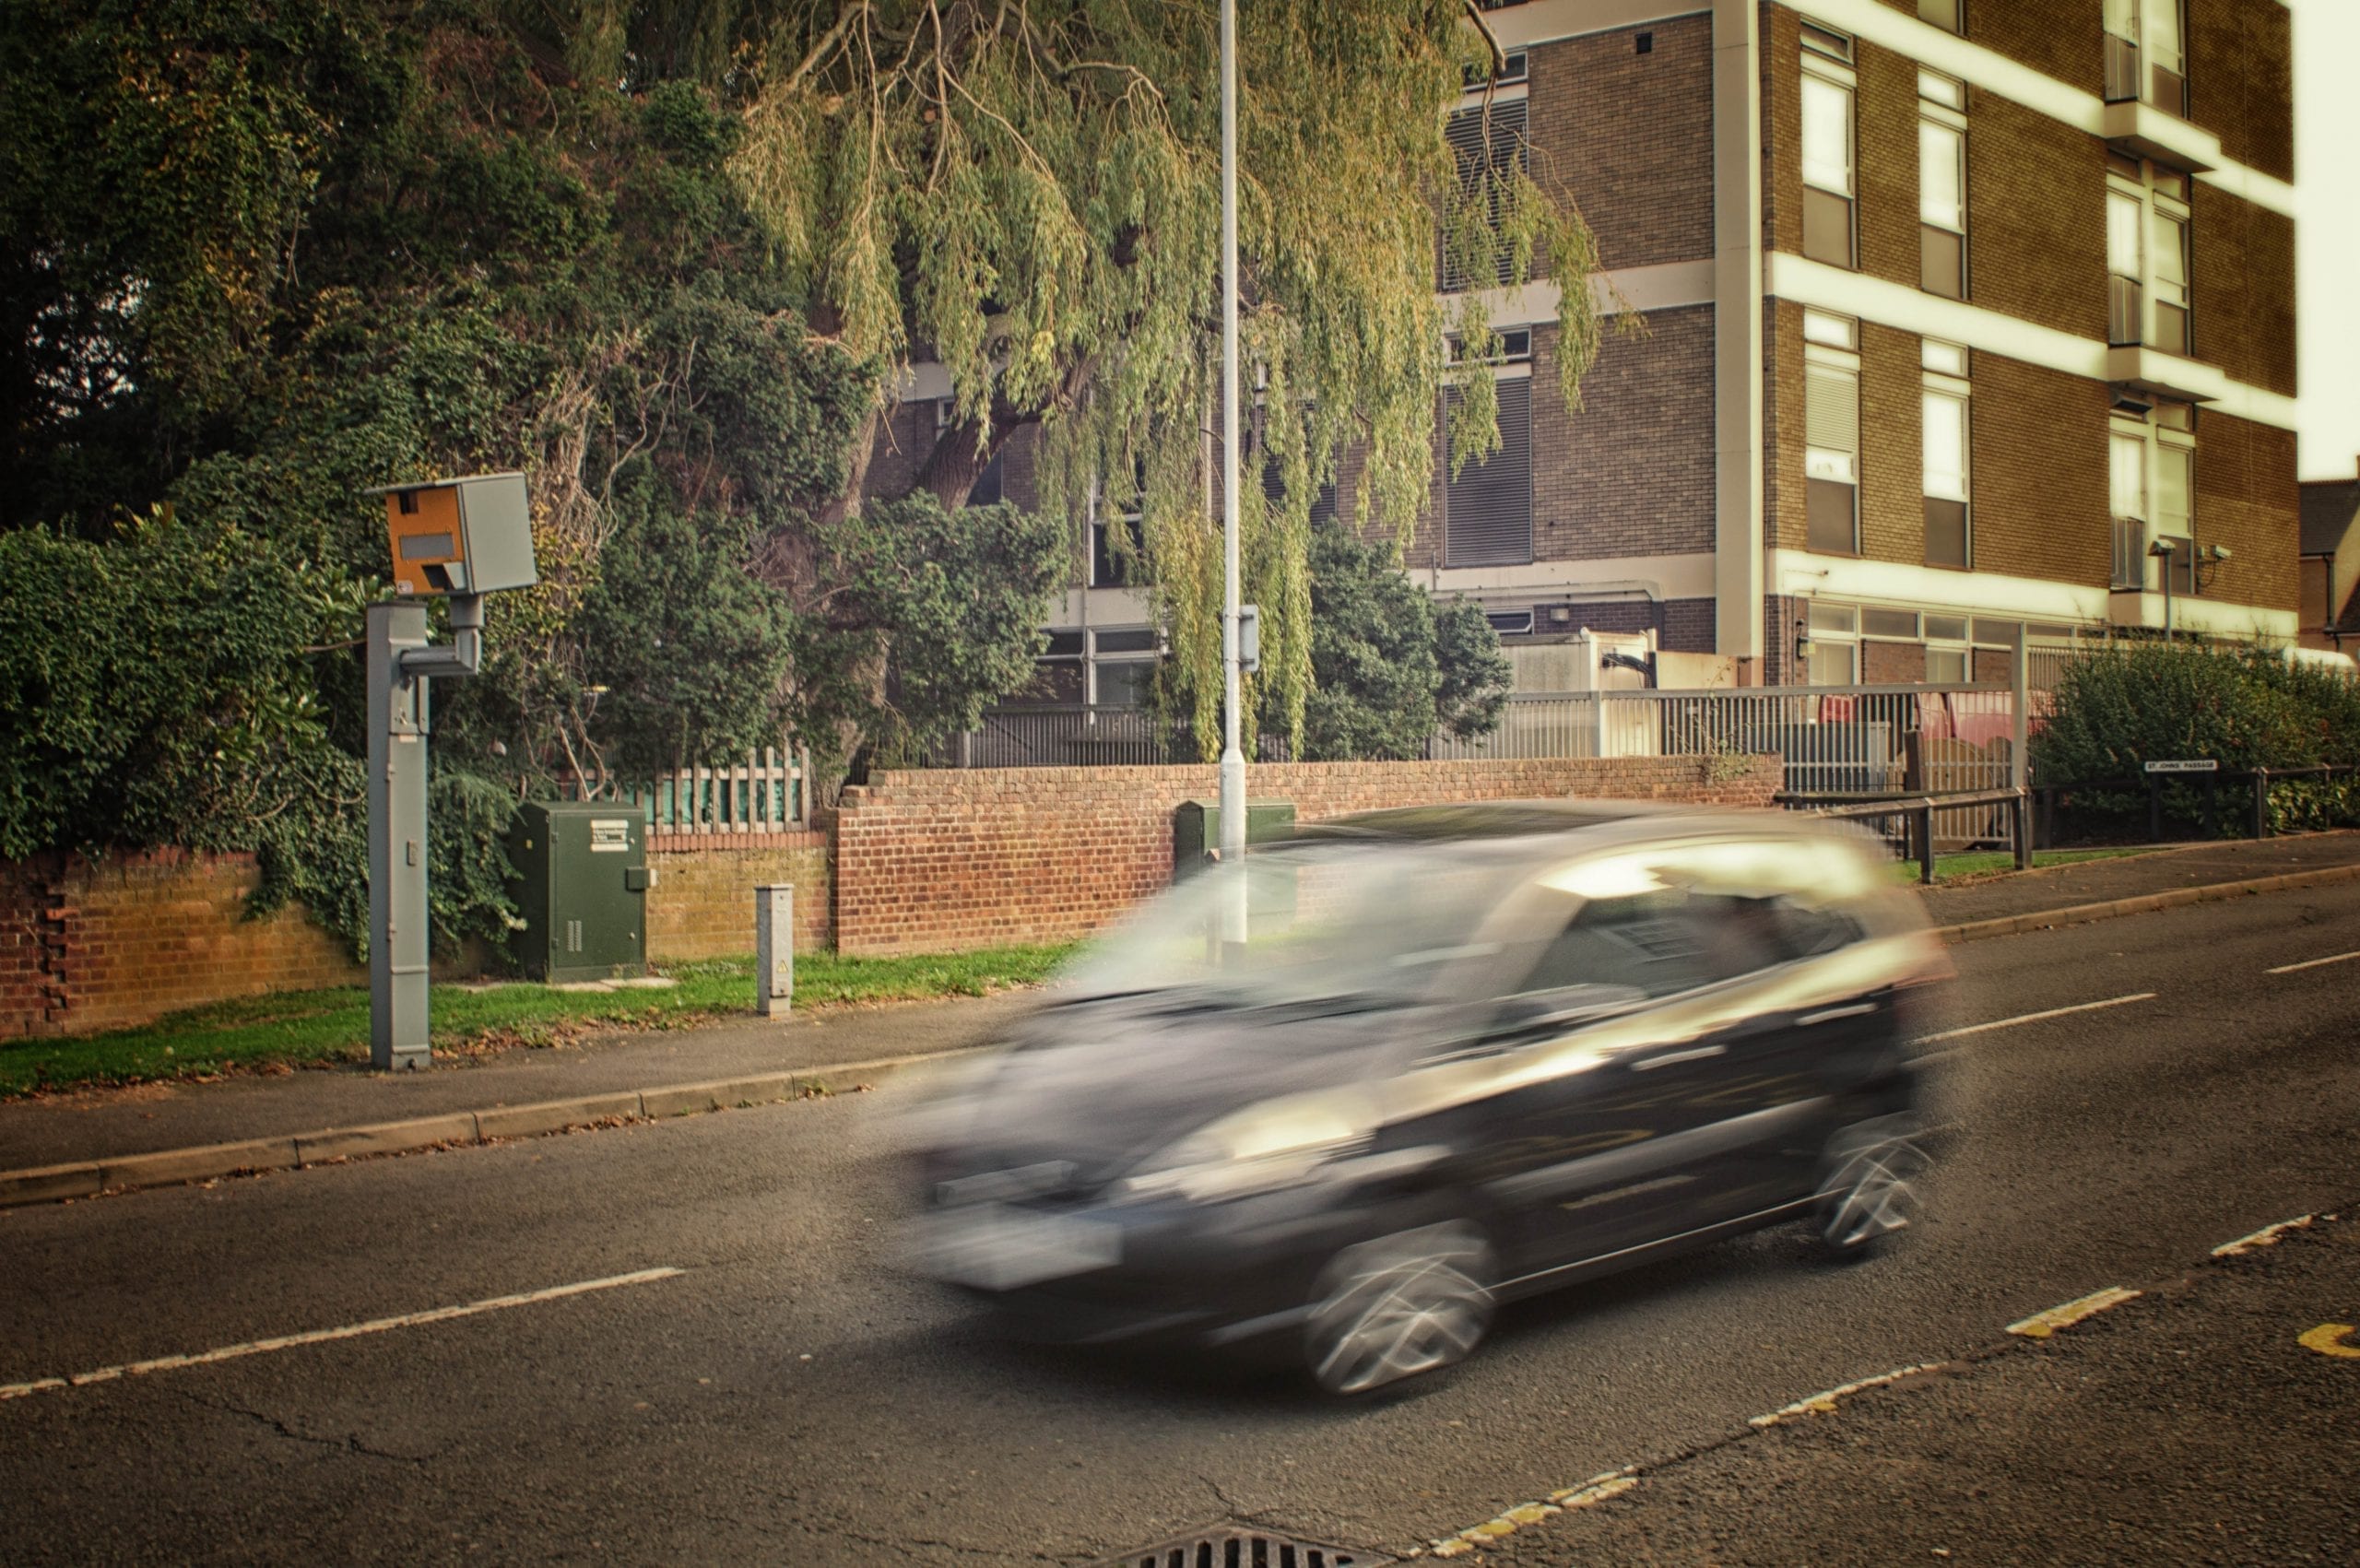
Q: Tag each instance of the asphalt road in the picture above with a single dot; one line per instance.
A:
(787, 1397)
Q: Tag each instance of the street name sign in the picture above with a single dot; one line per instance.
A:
(2187, 765)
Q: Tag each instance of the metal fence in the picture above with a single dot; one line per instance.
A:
(767, 792)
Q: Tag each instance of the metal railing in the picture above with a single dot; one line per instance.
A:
(1078, 736)
(1920, 836)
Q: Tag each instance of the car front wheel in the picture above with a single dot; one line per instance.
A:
(1871, 1193)
(1398, 1307)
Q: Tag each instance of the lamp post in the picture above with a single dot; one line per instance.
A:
(1233, 758)
(2163, 549)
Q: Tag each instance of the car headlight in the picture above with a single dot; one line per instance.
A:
(1259, 1150)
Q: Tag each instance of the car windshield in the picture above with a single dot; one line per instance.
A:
(1374, 923)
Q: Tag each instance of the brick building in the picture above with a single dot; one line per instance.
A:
(1960, 315)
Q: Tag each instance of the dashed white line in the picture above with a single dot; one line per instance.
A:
(2034, 1017)
(322, 1336)
(2312, 963)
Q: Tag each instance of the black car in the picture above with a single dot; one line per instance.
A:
(1343, 1097)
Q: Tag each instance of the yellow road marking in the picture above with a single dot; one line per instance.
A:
(2267, 1236)
(321, 1336)
(2041, 1325)
(1824, 1403)
(1591, 1493)
(2328, 1341)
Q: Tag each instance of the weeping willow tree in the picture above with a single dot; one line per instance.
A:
(1029, 192)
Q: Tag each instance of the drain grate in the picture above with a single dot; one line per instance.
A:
(1228, 1545)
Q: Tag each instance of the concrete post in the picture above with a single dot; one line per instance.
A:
(397, 917)
(2020, 741)
(775, 950)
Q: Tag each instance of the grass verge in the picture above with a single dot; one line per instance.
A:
(1989, 862)
(288, 1030)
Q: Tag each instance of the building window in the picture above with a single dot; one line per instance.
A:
(1488, 141)
(1949, 540)
(2145, 56)
(1828, 167)
(1944, 14)
(1941, 185)
(1122, 666)
(1113, 560)
(1487, 506)
(2147, 257)
(2151, 480)
(1274, 490)
(1831, 433)
(1834, 632)
(1059, 671)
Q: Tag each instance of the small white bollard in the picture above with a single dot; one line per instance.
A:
(775, 950)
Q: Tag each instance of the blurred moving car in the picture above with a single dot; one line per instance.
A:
(1459, 1055)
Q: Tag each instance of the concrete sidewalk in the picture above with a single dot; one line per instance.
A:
(77, 1144)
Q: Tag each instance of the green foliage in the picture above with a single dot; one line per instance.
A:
(2248, 708)
(1389, 664)
(1031, 196)
(154, 686)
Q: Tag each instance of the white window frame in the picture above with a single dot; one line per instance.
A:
(1941, 130)
(1953, 395)
(1833, 628)
(2156, 207)
(2154, 439)
(1822, 360)
(1827, 74)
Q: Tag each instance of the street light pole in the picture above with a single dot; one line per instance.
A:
(1233, 758)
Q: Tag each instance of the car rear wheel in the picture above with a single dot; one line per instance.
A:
(1398, 1307)
(1872, 1191)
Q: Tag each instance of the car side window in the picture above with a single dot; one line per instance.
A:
(1651, 942)
(1807, 932)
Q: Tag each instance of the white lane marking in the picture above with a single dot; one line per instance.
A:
(2312, 963)
(321, 1336)
(1825, 1404)
(2034, 1017)
(2041, 1325)
(2267, 1236)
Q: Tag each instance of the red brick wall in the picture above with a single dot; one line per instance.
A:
(87, 947)
(703, 903)
(2037, 458)
(100, 946)
(944, 861)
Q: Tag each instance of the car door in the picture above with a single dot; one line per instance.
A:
(1602, 1133)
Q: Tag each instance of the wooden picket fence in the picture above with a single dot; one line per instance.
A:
(767, 792)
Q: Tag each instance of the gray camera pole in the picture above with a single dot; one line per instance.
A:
(399, 665)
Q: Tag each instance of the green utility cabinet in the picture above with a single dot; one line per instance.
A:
(1196, 827)
(583, 864)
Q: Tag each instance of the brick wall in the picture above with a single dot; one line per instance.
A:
(1782, 130)
(106, 945)
(87, 947)
(703, 903)
(943, 861)
(1885, 136)
(1631, 471)
(2063, 39)
(2035, 216)
(2039, 459)
(1893, 471)
(2247, 499)
(1628, 137)
(2241, 80)
(2243, 288)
